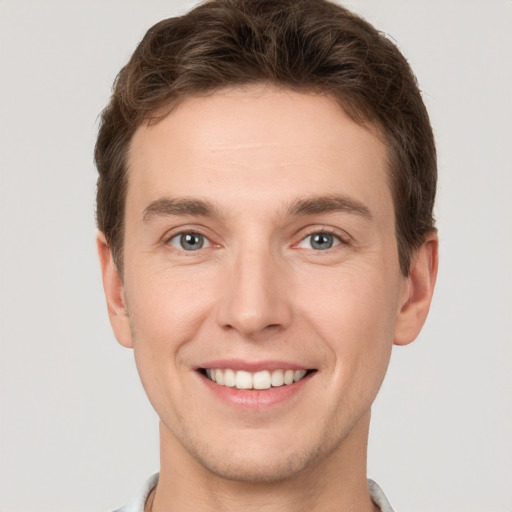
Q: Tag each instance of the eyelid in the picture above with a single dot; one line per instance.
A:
(343, 237)
(207, 243)
(184, 230)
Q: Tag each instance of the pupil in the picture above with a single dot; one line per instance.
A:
(191, 241)
(322, 241)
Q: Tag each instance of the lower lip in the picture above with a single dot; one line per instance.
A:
(256, 398)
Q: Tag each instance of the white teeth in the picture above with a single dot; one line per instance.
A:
(298, 375)
(277, 378)
(229, 378)
(219, 377)
(258, 380)
(288, 376)
(261, 380)
(243, 380)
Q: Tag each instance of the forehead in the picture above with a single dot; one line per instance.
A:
(264, 143)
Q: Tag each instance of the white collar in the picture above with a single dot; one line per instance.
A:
(139, 500)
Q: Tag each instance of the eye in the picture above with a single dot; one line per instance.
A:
(320, 241)
(189, 241)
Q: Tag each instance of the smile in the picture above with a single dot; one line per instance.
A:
(241, 379)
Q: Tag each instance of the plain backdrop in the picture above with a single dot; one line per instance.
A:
(77, 433)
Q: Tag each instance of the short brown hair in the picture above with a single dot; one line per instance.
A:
(306, 45)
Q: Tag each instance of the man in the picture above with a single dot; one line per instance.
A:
(267, 176)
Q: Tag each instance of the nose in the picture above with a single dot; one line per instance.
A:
(257, 296)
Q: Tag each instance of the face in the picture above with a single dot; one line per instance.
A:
(261, 290)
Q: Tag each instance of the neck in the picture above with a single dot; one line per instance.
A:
(335, 482)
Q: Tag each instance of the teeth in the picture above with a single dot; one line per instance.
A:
(229, 378)
(298, 375)
(243, 380)
(277, 378)
(219, 377)
(258, 380)
(288, 376)
(261, 380)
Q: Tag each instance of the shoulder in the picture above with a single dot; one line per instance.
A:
(378, 497)
(139, 500)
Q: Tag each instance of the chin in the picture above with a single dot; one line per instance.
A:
(258, 463)
(257, 471)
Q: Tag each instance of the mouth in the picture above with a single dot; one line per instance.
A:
(260, 380)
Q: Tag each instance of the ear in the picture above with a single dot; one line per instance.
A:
(418, 291)
(114, 293)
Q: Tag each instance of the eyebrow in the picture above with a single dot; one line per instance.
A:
(329, 204)
(305, 206)
(178, 206)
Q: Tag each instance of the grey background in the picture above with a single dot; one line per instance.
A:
(76, 432)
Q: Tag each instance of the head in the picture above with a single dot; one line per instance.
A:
(312, 46)
(267, 177)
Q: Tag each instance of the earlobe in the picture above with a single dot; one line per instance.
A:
(114, 293)
(419, 291)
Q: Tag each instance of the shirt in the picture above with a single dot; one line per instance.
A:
(139, 500)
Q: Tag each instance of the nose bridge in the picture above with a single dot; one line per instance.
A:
(254, 298)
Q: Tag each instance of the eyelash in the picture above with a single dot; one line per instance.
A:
(205, 240)
(326, 231)
(181, 234)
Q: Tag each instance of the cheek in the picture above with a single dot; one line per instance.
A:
(364, 299)
(166, 311)
(167, 306)
(354, 312)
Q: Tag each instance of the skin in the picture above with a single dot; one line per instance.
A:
(259, 291)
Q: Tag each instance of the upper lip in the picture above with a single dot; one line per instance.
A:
(252, 366)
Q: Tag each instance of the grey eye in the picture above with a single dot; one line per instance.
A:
(320, 241)
(189, 241)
